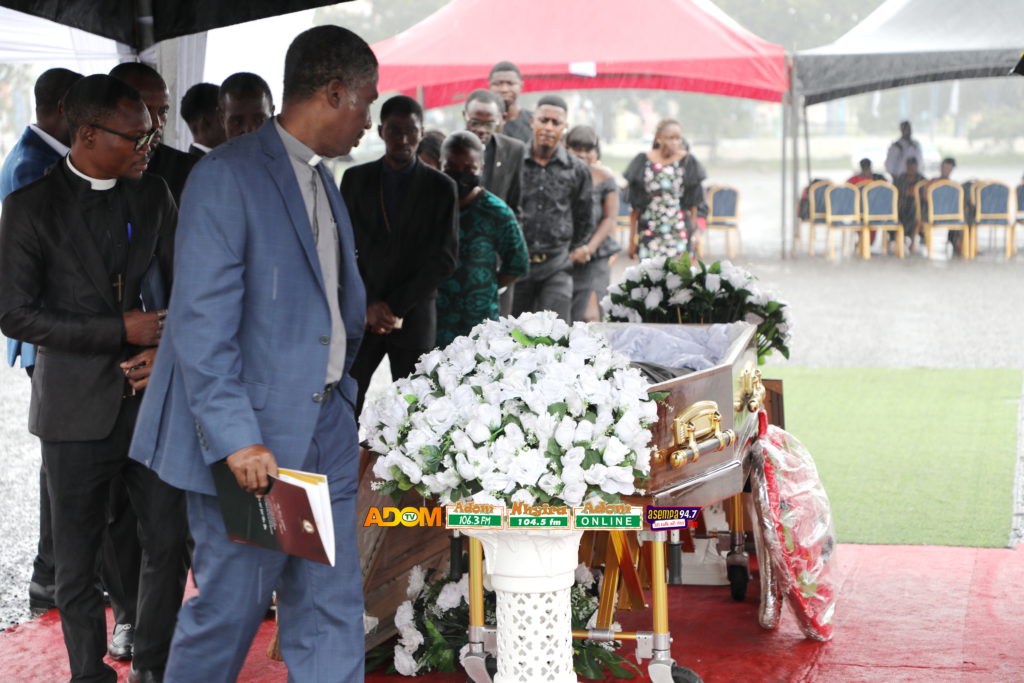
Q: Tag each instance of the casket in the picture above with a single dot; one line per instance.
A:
(705, 426)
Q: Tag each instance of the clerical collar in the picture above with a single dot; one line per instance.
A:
(55, 144)
(295, 147)
(202, 147)
(94, 183)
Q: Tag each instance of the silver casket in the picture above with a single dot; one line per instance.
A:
(706, 423)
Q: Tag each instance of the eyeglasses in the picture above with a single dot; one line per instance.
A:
(477, 123)
(139, 141)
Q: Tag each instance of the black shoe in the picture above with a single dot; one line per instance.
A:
(121, 642)
(145, 675)
(41, 598)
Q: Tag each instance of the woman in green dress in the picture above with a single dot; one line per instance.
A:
(492, 249)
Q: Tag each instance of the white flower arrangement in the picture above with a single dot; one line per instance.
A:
(432, 626)
(667, 290)
(522, 409)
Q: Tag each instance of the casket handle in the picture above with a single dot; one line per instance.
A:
(698, 431)
(752, 392)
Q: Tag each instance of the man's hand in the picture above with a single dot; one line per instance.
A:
(144, 328)
(379, 318)
(580, 254)
(253, 466)
(138, 368)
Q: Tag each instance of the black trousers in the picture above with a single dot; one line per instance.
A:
(122, 553)
(79, 474)
(547, 287)
(372, 352)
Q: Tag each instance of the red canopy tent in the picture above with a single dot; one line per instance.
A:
(687, 45)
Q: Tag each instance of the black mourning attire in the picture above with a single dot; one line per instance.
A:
(521, 127)
(557, 218)
(503, 177)
(406, 229)
(69, 268)
(173, 166)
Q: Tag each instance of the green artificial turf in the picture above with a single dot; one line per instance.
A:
(910, 456)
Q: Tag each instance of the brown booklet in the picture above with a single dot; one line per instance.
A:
(294, 516)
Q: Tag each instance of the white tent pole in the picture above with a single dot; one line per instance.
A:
(795, 101)
(807, 141)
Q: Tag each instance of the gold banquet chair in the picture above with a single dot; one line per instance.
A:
(992, 202)
(816, 210)
(842, 212)
(879, 199)
(944, 209)
(723, 214)
(1020, 216)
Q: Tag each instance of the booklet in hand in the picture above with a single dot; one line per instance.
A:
(293, 517)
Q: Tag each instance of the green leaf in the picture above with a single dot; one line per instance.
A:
(659, 396)
(591, 458)
(559, 409)
(478, 390)
(715, 268)
(410, 399)
(523, 339)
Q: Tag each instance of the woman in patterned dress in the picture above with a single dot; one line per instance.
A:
(666, 195)
(489, 234)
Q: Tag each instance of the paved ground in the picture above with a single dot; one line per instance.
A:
(880, 313)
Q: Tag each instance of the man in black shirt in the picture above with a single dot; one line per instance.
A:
(82, 252)
(200, 112)
(507, 81)
(557, 209)
(405, 218)
(245, 103)
(168, 163)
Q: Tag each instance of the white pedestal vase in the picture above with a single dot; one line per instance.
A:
(532, 573)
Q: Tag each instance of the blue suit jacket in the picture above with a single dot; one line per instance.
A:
(244, 351)
(27, 161)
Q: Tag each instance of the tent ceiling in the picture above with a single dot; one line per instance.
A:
(582, 44)
(915, 41)
(121, 20)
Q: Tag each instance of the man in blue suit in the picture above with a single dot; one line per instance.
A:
(266, 316)
(43, 144)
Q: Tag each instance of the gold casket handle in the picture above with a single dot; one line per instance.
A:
(752, 391)
(698, 431)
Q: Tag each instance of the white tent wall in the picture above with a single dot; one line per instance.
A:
(182, 62)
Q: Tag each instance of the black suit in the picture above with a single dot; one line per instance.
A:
(503, 176)
(402, 259)
(173, 166)
(56, 292)
(196, 152)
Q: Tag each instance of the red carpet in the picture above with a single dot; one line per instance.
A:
(906, 613)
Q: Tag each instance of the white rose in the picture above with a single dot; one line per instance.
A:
(409, 468)
(527, 467)
(639, 293)
(429, 361)
(548, 483)
(489, 414)
(461, 442)
(497, 482)
(465, 468)
(628, 427)
(584, 432)
(417, 578)
(565, 432)
(478, 431)
(449, 597)
(540, 324)
(403, 616)
(713, 282)
(631, 274)
(515, 435)
(583, 575)
(680, 297)
(653, 298)
(404, 662)
(614, 452)
(523, 496)
(618, 480)
(573, 494)
(574, 456)
(411, 638)
(673, 282)
(596, 475)
(572, 474)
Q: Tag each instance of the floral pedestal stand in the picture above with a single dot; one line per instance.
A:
(531, 573)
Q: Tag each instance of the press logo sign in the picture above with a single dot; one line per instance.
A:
(608, 517)
(545, 516)
(469, 515)
(407, 516)
(662, 517)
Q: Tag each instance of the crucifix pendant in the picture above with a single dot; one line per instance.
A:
(118, 284)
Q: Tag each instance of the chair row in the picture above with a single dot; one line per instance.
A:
(937, 204)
